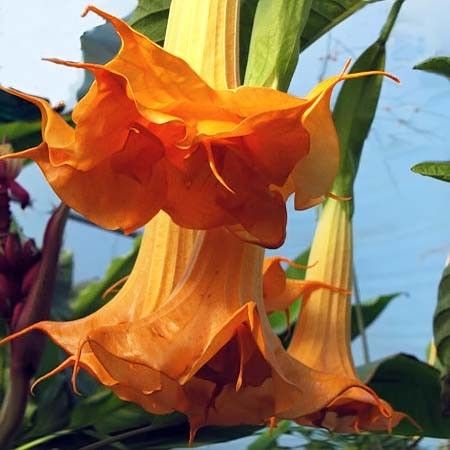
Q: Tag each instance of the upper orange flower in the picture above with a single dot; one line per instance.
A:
(151, 134)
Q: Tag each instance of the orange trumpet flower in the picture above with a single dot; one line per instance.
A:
(165, 139)
(321, 339)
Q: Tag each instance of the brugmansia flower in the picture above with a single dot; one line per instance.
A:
(165, 139)
(321, 339)
(224, 161)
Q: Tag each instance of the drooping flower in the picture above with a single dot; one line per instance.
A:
(165, 139)
(321, 339)
(199, 343)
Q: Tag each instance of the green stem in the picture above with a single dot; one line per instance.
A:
(13, 407)
(387, 28)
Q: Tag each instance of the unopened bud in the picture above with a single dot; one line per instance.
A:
(30, 253)
(17, 312)
(29, 279)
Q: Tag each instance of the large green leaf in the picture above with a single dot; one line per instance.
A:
(90, 296)
(356, 105)
(410, 386)
(441, 321)
(107, 413)
(435, 169)
(370, 310)
(325, 15)
(275, 41)
(438, 64)
(150, 18)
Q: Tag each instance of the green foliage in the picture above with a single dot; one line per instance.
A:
(89, 298)
(22, 135)
(410, 386)
(150, 18)
(275, 41)
(319, 439)
(116, 414)
(441, 321)
(370, 310)
(278, 319)
(435, 169)
(325, 15)
(439, 65)
(356, 105)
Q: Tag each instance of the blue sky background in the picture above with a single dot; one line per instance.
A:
(402, 220)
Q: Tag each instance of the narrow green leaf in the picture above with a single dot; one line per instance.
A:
(356, 105)
(268, 439)
(150, 18)
(246, 19)
(370, 310)
(441, 320)
(63, 286)
(325, 15)
(435, 169)
(274, 45)
(413, 387)
(107, 413)
(439, 65)
(89, 298)
(278, 319)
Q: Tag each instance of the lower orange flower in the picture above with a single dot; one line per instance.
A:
(321, 339)
(205, 349)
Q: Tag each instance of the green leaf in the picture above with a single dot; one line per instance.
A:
(51, 411)
(370, 310)
(275, 40)
(435, 169)
(441, 320)
(439, 65)
(14, 109)
(356, 105)
(21, 135)
(89, 298)
(325, 15)
(410, 386)
(278, 319)
(150, 18)
(107, 413)
(268, 439)
(63, 287)
(246, 19)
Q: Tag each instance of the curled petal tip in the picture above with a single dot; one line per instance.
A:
(88, 9)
